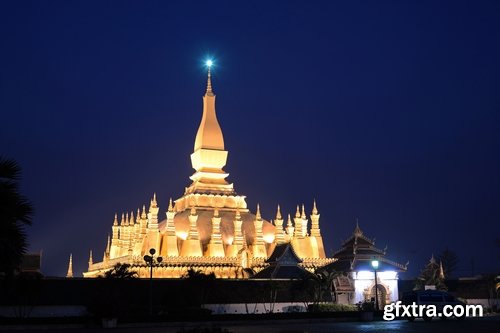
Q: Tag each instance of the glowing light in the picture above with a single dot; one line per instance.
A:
(375, 264)
(209, 63)
(268, 238)
(229, 240)
(182, 235)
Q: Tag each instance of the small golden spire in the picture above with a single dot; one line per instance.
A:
(154, 204)
(132, 219)
(278, 213)
(69, 274)
(126, 219)
(315, 210)
(258, 217)
(108, 245)
(170, 206)
(297, 213)
(122, 221)
(209, 80)
(303, 215)
(90, 258)
(289, 221)
(143, 215)
(115, 222)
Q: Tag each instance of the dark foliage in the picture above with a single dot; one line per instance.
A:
(449, 259)
(15, 214)
(121, 271)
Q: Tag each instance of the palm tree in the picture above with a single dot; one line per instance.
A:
(15, 214)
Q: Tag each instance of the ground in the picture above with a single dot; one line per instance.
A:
(476, 325)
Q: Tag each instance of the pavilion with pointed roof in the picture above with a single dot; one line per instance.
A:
(357, 284)
(209, 228)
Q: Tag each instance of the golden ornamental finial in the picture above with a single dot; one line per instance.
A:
(115, 222)
(122, 221)
(278, 213)
(297, 213)
(170, 206)
(303, 215)
(154, 204)
(132, 220)
(143, 215)
(257, 215)
(315, 210)
(289, 221)
(209, 92)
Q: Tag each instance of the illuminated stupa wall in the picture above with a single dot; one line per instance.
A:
(210, 227)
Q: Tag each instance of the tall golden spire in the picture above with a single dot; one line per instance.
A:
(209, 134)
(209, 156)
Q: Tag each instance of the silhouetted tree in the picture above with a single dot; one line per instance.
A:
(121, 271)
(199, 285)
(431, 275)
(449, 259)
(15, 214)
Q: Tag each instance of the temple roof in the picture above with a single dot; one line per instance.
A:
(283, 264)
(357, 253)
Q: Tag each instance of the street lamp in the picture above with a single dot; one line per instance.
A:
(151, 261)
(375, 266)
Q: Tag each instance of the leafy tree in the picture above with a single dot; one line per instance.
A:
(15, 214)
(121, 271)
(316, 287)
(449, 260)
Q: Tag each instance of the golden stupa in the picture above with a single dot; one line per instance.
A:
(210, 227)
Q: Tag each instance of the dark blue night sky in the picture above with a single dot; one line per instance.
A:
(385, 111)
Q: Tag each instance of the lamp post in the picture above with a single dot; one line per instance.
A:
(375, 266)
(151, 261)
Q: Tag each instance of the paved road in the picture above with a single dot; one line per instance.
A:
(479, 325)
(491, 325)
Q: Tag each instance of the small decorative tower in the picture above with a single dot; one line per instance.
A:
(258, 246)
(191, 247)
(289, 229)
(279, 235)
(215, 248)
(316, 240)
(153, 234)
(169, 243)
(115, 247)
(298, 224)
(70, 267)
(91, 262)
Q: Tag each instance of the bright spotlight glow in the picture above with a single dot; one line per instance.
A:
(375, 264)
(209, 63)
